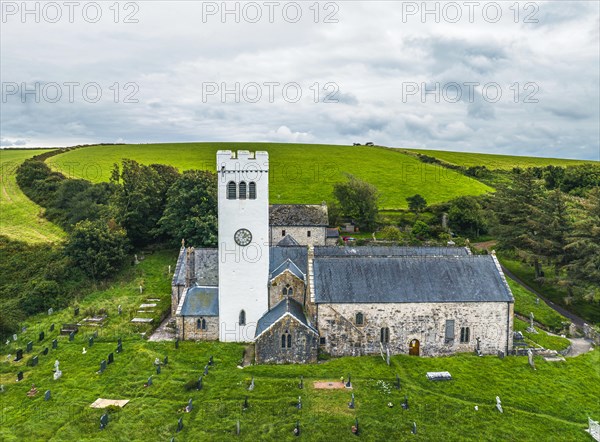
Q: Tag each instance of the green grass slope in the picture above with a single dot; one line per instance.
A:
(20, 218)
(300, 173)
(492, 161)
(550, 403)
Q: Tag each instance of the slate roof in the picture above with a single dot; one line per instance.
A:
(285, 306)
(290, 266)
(288, 241)
(298, 215)
(201, 301)
(207, 267)
(298, 255)
(404, 279)
(390, 251)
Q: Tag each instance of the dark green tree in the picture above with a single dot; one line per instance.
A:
(467, 216)
(191, 210)
(358, 200)
(99, 248)
(416, 203)
(141, 198)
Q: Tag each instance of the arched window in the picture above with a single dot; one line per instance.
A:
(231, 190)
(243, 190)
(385, 335)
(288, 290)
(201, 324)
(286, 340)
(359, 318)
(252, 189)
(242, 317)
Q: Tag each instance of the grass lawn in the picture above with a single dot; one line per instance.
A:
(551, 403)
(541, 338)
(525, 303)
(300, 173)
(491, 161)
(588, 311)
(20, 218)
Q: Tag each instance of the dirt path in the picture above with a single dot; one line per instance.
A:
(579, 346)
(163, 332)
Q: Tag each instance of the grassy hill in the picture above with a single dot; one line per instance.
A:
(20, 218)
(300, 173)
(550, 403)
(492, 161)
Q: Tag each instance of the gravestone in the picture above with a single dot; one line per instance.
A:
(52, 327)
(57, 375)
(297, 429)
(414, 428)
(478, 346)
(530, 358)
(158, 369)
(149, 381)
(111, 358)
(245, 406)
(206, 370)
(103, 421)
(54, 344)
(119, 345)
(405, 403)
(119, 309)
(50, 311)
(500, 354)
(71, 336)
(56, 365)
(388, 355)
(23, 329)
(179, 423)
(237, 427)
(397, 382)
(499, 404)
(47, 395)
(2, 388)
(76, 311)
(299, 405)
(301, 384)
(15, 337)
(537, 301)
(7, 342)
(19, 355)
(166, 360)
(189, 406)
(102, 366)
(29, 346)
(349, 383)
(531, 328)
(83, 351)
(19, 376)
(199, 385)
(90, 341)
(211, 361)
(34, 361)
(251, 387)
(355, 428)
(177, 343)
(41, 336)
(45, 352)
(351, 403)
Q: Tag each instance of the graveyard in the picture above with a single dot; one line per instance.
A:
(114, 361)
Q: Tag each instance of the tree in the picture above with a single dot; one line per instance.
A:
(99, 248)
(191, 210)
(390, 233)
(358, 200)
(416, 203)
(141, 198)
(467, 216)
(420, 230)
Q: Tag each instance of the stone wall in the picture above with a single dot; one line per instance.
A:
(281, 281)
(176, 293)
(300, 234)
(425, 322)
(304, 344)
(187, 328)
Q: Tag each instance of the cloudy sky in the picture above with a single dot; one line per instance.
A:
(485, 77)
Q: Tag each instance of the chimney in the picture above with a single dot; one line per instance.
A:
(190, 267)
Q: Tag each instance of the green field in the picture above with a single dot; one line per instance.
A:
(300, 173)
(20, 218)
(551, 403)
(492, 161)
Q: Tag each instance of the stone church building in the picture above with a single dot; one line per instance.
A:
(277, 280)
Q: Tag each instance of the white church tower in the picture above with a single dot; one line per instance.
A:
(243, 242)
